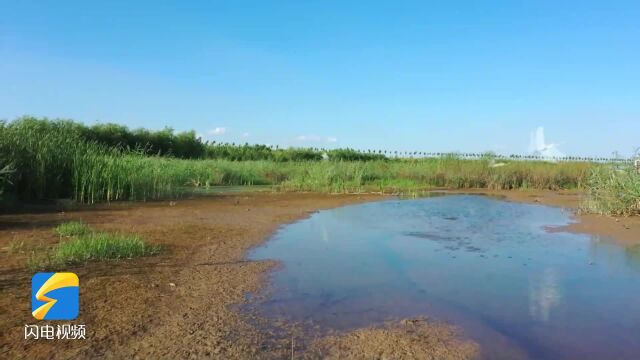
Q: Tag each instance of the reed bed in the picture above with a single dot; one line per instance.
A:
(39, 157)
(133, 177)
(53, 161)
(613, 191)
(112, 177)
(42, 159)
(448, 172)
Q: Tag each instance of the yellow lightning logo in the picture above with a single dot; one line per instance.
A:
(56, 281)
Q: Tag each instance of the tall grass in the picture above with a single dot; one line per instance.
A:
(427, 173)
(40, 154)
(614, 191)
(116, 176)
(53, 159)
(133, 177)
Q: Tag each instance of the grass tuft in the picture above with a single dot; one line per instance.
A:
(72, 228)
(84, 245)
(15, 247)
(102, 246)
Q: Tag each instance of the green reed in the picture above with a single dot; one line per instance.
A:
(52, 159)
(613, 190)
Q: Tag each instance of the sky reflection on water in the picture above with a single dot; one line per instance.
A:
(487, 265)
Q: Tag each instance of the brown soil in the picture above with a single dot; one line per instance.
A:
(407, 339)
(182, 303)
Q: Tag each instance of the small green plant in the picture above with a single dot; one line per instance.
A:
(81, 245)
(101, 246)
(40, 261)
(72, 228)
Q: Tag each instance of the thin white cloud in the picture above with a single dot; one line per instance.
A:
(218, 131)
(316, 139)
(245, 135)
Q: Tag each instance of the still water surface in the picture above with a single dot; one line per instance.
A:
(491, 267)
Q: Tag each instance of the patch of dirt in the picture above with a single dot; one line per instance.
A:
(407, 339)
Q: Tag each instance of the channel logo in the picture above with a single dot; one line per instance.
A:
(55, 296)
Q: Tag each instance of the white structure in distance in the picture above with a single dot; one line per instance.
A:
(539, 148)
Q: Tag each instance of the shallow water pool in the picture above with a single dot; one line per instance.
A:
(491, 267)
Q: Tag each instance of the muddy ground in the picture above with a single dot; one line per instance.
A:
(183, 303)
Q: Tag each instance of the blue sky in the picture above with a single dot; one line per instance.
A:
(401, 75)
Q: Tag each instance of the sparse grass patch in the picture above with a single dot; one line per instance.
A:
(15, 246)
(84, 245)
(72, 228)
(40, 261)
(102, 246)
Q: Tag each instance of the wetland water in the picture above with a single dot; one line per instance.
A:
(491, 267)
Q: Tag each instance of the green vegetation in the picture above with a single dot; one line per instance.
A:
(42, 155)
(614, 191)
(5, 173)
(82, 245)
(449, 172)
(67, 132)
(50, 159)
(164, 142)
(24, 132)
(248, 152)
(72, 228)
(102, 246)
(136, 177)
